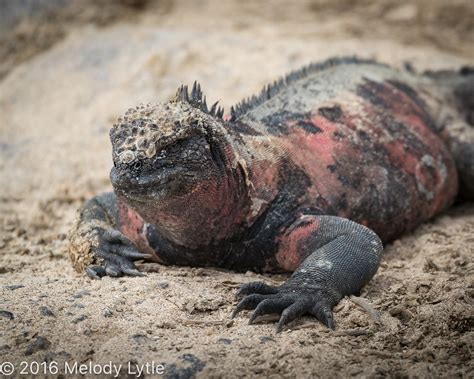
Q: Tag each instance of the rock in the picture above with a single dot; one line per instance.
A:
(7, 315)
(265, 339)
(79, 319)
(45, 311)
(108, 312)
(39, 343)
(139, 338)
(14, 287)
(80, 294)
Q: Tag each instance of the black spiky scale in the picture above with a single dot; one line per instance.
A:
(271, 90)
(198, 100)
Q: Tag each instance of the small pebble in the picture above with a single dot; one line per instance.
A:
(22, 338)
(79, 319)
(229, 323)
(39, 343)
(14, 287)
(80, 294)
(138, 337)
(108, 313)
(7, 315)
(45, 311)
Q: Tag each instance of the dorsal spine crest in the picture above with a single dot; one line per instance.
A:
(198, 100)
(271, 90)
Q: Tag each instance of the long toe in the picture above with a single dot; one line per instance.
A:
(115, 236)
(132, 272)
(130, 252)
(256, 287)
(112, 270)
(324, 314)
(268, 306)
(248, 302)
(291, 313)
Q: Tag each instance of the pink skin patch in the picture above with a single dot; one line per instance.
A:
(433, 170)
(314, 153)
(134, 227)
(363, 149)
(293, 244)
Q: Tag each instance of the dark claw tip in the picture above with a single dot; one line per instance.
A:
(329, 322)
(95, 272)
(92, 274)
(112, 271)
(133, 272)
(236, 311)
(252, 319)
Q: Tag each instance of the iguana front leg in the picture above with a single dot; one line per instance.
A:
(338, 258)
(97, 246)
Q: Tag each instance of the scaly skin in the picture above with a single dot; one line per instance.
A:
(310, 176)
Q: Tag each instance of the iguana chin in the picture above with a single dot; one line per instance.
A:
(311, 176)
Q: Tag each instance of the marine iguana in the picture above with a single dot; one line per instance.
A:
(312, 176)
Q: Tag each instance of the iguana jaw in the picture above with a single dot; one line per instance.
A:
(211, 210)
(144, 188)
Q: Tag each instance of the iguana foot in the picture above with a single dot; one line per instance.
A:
(339, 258)
(290, 300)
(117, 254)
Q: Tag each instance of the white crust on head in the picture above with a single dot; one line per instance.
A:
(143, 129)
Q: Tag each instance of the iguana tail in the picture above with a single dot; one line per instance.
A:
(460, 85)
(464, 92)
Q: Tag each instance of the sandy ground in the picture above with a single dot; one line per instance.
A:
(60, 95)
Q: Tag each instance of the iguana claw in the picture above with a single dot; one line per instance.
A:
(289, 301)
(117, 253)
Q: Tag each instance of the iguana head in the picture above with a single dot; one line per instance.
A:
(173, 164)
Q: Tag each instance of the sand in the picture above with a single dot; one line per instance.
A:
(58, 98)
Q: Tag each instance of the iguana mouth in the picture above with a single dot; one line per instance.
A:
(142, 184)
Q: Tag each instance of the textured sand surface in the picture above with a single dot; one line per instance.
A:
(56, 107)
